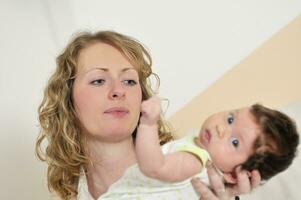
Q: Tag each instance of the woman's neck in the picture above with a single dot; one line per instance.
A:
(110, 160)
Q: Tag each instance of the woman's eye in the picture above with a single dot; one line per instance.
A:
(230, 119)
(98, 82)
(130, 82)
(234, 142)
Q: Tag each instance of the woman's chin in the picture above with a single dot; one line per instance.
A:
(115, 135)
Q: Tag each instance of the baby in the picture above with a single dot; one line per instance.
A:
(254, 137)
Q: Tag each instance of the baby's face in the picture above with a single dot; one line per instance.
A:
(228, 137)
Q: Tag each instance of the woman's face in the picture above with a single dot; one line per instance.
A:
(106, 93)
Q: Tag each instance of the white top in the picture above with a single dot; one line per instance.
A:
(134, 185)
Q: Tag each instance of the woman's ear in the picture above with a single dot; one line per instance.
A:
(230, 177)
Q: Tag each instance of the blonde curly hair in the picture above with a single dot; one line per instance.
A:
(66, 151)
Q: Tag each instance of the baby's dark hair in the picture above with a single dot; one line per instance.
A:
(277, 144)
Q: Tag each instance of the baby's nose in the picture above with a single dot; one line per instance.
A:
(220, 131)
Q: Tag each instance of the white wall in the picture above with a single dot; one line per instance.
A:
(27, 50)
(192, 42)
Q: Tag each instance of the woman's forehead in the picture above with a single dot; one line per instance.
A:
(102, 56)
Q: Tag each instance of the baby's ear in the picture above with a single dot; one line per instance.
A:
(230, 177)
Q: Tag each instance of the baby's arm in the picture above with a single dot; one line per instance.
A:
(172, 167)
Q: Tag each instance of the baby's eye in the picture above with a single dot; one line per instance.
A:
(230, 119)
(98, 82)
(234, 142)
(130, 82)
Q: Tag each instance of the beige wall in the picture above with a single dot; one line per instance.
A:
(271, 75)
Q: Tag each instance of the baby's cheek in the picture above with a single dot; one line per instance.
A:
(219, 158)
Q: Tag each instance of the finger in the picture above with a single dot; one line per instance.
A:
(203, 190)
(215, 180)
(243, 181)
(255, 178)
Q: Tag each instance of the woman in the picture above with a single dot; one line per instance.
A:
(89, 116)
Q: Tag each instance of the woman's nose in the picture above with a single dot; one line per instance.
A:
(117, 91)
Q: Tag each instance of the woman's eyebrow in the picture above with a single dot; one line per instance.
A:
(90, 70)
(98, 68)
(107, 69)
(128, 68)
(130, 71)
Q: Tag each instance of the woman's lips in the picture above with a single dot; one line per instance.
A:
(117, 111)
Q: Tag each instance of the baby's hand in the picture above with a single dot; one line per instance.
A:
(150, 110)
